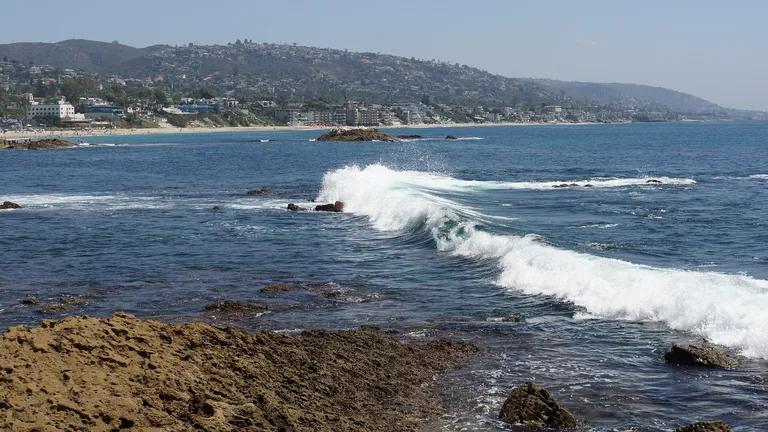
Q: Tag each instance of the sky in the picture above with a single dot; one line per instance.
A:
(713, 49)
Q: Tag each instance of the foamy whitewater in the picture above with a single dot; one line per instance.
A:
(726, 309)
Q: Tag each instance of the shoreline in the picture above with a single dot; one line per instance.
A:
(122, 372)
(38, 134)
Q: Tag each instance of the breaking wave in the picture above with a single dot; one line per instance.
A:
(726, 309)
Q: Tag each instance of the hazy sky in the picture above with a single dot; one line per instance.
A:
(714, 49)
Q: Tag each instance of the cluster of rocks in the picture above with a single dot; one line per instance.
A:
(336, 207)
(357, 134)
(43, 144)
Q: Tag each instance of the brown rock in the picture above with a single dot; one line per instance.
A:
(714, 426)
(336, 207)
(705, 355)
(122, 372)
(7, 205)
(355, 135)
(531, 405)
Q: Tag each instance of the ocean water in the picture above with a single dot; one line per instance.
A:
(659, 237)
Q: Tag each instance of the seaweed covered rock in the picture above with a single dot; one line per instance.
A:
(705, 355)
(533, 406)
(714, 426)
(341, 134)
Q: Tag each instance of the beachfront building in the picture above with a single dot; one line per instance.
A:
(61, 110)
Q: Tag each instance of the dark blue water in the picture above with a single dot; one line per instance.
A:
(580, 288)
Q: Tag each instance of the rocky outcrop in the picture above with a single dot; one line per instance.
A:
(714, 426)
(43, 144)
(451, 137)
(342, 134)
(336, 207)
(653, 181)
(260, 191)
(705, 355)
(7, 205)
(533, 406)
(121, 372)
(409, 136)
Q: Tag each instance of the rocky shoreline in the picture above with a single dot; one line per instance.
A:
(122, 372)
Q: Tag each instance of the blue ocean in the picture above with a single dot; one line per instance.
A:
(572, 255)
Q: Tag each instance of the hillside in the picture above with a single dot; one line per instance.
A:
(634, 95)
(292, 72)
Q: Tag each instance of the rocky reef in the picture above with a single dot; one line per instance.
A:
(123, 372)
(43, 144)
(341, 134)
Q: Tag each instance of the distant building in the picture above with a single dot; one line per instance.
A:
(553, 109)
(104, 112)
(199, 108)
(60, 110)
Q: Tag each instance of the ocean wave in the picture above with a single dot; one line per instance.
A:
(727, 309)
(759, 176)
(439, 182)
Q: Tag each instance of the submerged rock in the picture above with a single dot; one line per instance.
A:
(122, 372)
(531, 405)
(261, 191)
(714, 426)
(653, 181)
(336, 207)
(294, 207)
(566, 185)
(237, 307)
(341, 134)
(451, 137)
(409, 136)
(705, 355)
(7, 205)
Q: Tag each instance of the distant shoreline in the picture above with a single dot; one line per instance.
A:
(11, 135)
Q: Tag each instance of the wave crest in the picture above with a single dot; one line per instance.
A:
(727, 309)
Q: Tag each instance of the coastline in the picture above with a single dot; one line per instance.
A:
(39, 134)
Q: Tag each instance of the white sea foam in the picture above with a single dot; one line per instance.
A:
(103, 202)
(759, 176)
(727, 309)
(444, 183)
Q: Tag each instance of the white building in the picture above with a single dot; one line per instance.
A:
(59, 110)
